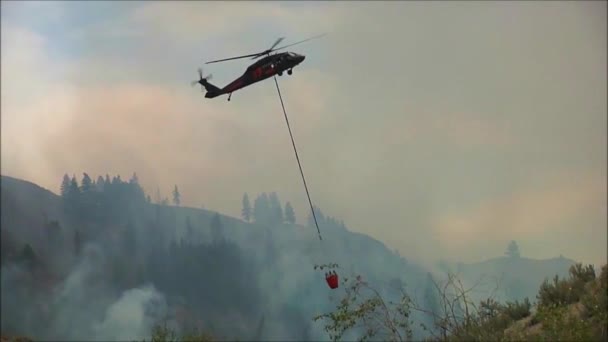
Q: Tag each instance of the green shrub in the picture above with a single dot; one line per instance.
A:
(516, 310)
(162, 333)
(197, 336)
(555, 294)
(566, 291)
(595, 302)
(584, 274)
(604, 277)
(489, 309)
(560, 324)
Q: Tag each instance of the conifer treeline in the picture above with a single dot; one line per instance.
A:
(103, 199)
(267, 209)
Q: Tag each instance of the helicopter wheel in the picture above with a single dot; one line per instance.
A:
(289, 72)
(280, 73)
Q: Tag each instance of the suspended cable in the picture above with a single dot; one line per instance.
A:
(297, 158)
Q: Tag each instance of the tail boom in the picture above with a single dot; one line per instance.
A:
(212, 90)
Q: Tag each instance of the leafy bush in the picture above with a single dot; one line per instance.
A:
(363, 312)
(604, 277)
(559, 323)
(584, 274)
(554, 294)
(566, 291)
(516, 310)
(595, 302)
(570, 309)
(491, 320)
(162, 333)
(575, 308)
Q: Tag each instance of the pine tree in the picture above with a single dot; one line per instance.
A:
(136, 190)
(261, 209)
(72, 198)
(290, 215)
(74, 189)
(86, 184)
(28, 256)
(86, 206)
(176, 196)
(246, 211)
(100, 183)
(65, 186)
(276, 212)
(512, 250)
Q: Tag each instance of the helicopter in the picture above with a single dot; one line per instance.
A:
(268, 66)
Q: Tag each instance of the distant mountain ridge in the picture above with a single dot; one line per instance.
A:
(516, 277)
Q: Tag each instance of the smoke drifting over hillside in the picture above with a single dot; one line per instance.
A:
(415, 122)
(427, 132)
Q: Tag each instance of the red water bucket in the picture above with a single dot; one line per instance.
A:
(332, 280)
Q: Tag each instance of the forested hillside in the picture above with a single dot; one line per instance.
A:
(103, 260)
(104, 245)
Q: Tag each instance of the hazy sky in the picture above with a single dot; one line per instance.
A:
(444, 129)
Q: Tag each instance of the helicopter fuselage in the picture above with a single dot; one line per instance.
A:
(264, 68)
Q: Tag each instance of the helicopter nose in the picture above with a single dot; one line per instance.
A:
(301, 58)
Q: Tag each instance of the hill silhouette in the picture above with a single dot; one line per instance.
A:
(511, 278)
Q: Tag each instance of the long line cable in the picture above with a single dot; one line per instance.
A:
(297, 158)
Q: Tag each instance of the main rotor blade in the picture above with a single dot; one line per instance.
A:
(259, 54)
(301, 41)
(276, 43)
(231, 58)
(266, 52)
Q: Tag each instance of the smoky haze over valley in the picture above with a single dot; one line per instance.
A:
(442, 129)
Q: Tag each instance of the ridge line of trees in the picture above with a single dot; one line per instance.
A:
(267, 209)
(89, 200)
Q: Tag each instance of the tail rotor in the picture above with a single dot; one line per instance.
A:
(202, 80)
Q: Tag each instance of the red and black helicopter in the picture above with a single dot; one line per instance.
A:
(270, 65)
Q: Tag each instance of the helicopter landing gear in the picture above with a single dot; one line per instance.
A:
(229, 96)
(280, 73)
(290, 71)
